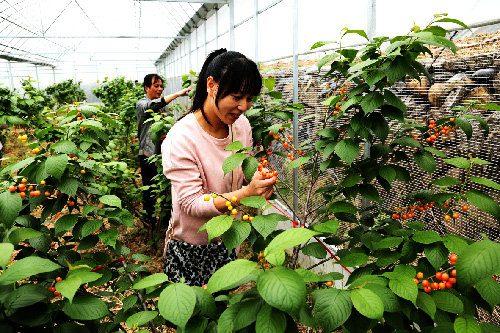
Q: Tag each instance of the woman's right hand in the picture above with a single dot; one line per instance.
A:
(261, 185)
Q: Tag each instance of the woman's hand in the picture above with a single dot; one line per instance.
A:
(261, 185)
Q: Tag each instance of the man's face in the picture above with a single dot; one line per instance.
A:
(155, 90)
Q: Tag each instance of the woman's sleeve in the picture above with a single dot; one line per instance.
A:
(180, 166)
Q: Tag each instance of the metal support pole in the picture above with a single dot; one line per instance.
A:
(190, 61)
(295, 30)
(54, 76)
(37, 78)
(231, 25)
(371, 16)
(196, 47)
(217, 28)
(205, 34)
(11, 79)
(256, 30)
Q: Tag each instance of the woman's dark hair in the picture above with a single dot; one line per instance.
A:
(234, 73)
(150, 79)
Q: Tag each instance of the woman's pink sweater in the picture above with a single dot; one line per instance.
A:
(192, 159)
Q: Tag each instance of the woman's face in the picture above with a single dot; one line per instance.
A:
(232, 106)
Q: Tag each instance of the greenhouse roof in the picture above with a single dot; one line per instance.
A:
(60, 32)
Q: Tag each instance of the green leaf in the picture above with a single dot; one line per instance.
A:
(479, 161)
(216, 226)
(321, 43)
(249, 166)
(426, 303)
(431, 39)
(353, 259)
(404, 287)
(109, 237)
(326, 59)
(265, 224)
(484, 202)
(448, 302)
(26, 295)
(329, 227)
(64, 223)
(435, 151)
(362, 33)
(151, 281)
(458, 162)
(446, 182)
(270, 320)
(367, 303)
(370, 192)
(425, 160)
(276, 258)
(315, 250)
(65, 146)
(466, 325)
(329, 133)
(372, 101)
(446, 19)
(235, 235)
(27, 267)
(111, 200)
(86, 308)
(56, 164)
(282, 288)
(347, 150)
(84, 274)
(256, 201)
(91, 226)
(19, 234)
(229, 274)
(332, 307)
(289, 238)
(351, 180)
(389, 242)
(489, 289)
(141, 318)
(389, 299)
(69, 186)
(298, 162)
(454, 244)
(269, 82)
(205, 302)
(388, 173)
(69, 286)
(6, 250)
(176, 303)
(10, 206)
(426, 237)
(342, 207)
(478, 260)
(437, 254)
(129, 302)
(409, 142)
(465, 126)
(394, 100)
(481, 121)
(486, 182)
(235, 145)
(232, 162)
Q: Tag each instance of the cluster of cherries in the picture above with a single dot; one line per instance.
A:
(338, 106)
(53, 289)
(436, 131)
(405, 213)
(455, 215)
(447, 280)
(23, 186)
(30, 187)
(229, 205)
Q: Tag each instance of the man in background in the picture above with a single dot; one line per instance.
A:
(152, 102)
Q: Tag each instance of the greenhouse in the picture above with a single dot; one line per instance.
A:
(249, 166)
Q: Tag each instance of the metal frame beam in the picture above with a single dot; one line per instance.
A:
(93, 37)
(221, 2)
